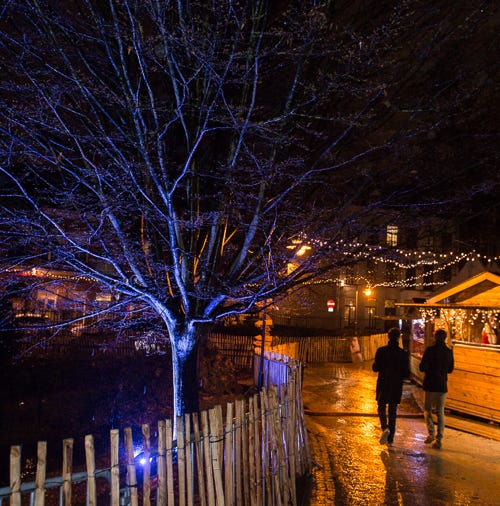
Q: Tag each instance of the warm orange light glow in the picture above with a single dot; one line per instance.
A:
(367, 292)
(303, 249)
(299, 246)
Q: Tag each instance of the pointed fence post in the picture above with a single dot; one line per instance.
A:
(67, 470)
(146, 472)
(15, 475)
(41, 472)
(90, 462)
(131, 472)
(114, 436)
(161, 466)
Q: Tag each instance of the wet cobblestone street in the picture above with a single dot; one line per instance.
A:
(351, 468)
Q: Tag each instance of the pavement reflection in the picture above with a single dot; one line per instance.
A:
(353, 469)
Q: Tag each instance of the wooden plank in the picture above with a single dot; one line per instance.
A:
(228, 462)
(487, 430)
(478, 384)
(131, 471)
(216, 430)
(480, 390)
(474, 382)
(484, 369)
(67, 470)
(199, 459)
(473, 409)
(146, 471)
(169, 448)
(90, 463)
(237, 450)
(208, 458)
(41, 472)
(189, 461)
(281, 488)
(114, 436)
(288, 407)
(257, 451)
(266, 462)
(301, 438)
(15, 475)
(161, 466)
(481, 367)
(287, 418)
(181, 461)
(245, 457)
(483, 360)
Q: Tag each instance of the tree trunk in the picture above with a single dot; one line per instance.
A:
(185, 378)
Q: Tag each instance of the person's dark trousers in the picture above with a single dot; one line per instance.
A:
(382, 414)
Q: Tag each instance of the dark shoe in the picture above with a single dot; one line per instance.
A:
(437, 444)
(429, 440)
(385, 436)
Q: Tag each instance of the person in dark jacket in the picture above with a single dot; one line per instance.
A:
(437, 362)
(391, 363)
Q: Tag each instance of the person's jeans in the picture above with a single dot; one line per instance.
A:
(382, 414)
(436, 399)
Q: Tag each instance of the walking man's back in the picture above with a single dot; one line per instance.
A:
(391, 363)
(437, 362)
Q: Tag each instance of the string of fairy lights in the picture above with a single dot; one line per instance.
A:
(456, 319)
(406, 259)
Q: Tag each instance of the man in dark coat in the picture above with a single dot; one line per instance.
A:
(437, 362)
(391, 363)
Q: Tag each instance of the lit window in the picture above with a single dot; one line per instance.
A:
(392, 235)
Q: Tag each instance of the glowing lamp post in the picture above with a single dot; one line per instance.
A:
(367, 291)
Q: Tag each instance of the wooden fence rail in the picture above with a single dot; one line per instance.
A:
(249, 454)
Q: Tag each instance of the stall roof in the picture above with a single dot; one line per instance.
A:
(483, 289)
(480, 291)
(444, 306)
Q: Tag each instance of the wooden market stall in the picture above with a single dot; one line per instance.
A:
(469, 311)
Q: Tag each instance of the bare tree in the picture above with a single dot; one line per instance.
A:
(178, 152)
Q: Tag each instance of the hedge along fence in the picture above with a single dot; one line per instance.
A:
(251, 455)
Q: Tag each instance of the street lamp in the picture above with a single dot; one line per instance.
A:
(367, 291)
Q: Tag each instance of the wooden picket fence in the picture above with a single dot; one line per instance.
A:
(239, 348)
(249, 454)
(317, 349)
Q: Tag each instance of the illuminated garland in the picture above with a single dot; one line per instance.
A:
(405, 283)
(39, 272)
(456, 317)
(356, 250)
(413, 258)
